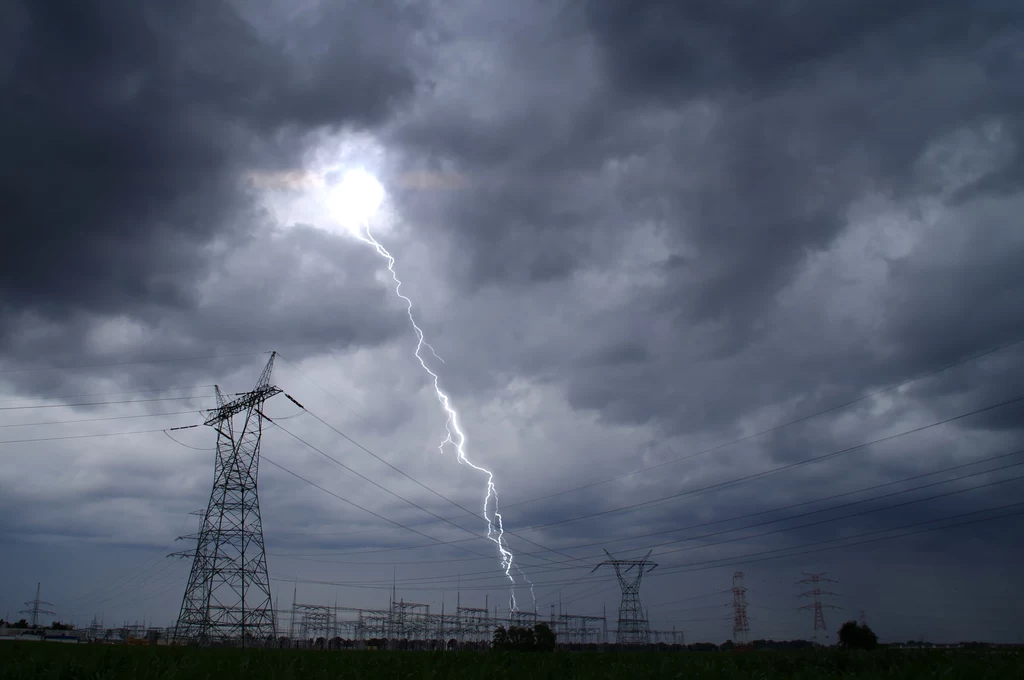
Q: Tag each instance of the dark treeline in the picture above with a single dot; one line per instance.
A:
(22, 623)
(524, 642)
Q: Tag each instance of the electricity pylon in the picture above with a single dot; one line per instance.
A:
(633, 627)
(227, 598)
(740, 622)
(36, 608)
(816, 606)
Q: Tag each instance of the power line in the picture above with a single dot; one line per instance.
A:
(717, 447)
(734, 561)
(808, 524)
(782, 468)
(129, 363)
(831, 519)
(107, 394)
(366, 510)
(187, 446)
(99, 403)
(82, 436)
(93, 420)
(545, 569)
(133, 573)
(759, 475)
(744, 558)
(402, 526)
(528, 528)
(337, 431)
(819, 500)
(379, 486)
(824, 521)
(775, 427)
(766, 555)
(786, 529)
(691, 599)
(734, 518)
(903, 383)
(410, 478)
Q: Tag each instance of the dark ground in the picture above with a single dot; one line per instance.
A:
(54, 661)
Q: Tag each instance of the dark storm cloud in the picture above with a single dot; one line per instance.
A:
(802, 126)
(747, 133)
(820, 103)
(128, 125)
(662, 50)
(815, 104)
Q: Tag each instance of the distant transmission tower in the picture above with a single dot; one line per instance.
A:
(227, 598)
(740, 624)
(863, 618)
(633, 627)
(36, 608)
(816, 606)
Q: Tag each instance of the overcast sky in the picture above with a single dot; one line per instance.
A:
(634, 231)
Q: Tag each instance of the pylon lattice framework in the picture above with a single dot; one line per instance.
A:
(227, 598)
(740, 623)
(633, 627)
(816, 605)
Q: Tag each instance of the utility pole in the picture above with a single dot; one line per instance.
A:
(35, 608)
(228, 598)
(633, 627)
(740, 623)
(816, 605)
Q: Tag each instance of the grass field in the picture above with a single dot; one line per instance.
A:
(48, 661)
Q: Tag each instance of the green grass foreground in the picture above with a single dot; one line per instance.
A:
(49, 661)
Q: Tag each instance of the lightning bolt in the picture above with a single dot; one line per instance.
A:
(495, 526)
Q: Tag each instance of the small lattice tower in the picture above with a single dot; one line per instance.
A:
(740, 623)
(633, 627)
(816, 604)
(227, 599)
(35, 607)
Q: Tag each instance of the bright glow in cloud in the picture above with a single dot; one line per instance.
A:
(354, 200)
(336, 188)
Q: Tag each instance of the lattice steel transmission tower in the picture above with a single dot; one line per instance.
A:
(816, 605)
(740, 623)
(633, 627)
(227, 598)
(36, 608)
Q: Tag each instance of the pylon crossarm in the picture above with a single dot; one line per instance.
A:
(242, 403)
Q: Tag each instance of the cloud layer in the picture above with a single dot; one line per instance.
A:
(634, 232)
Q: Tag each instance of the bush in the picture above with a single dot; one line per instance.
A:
(855, 636)
(540, 638)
